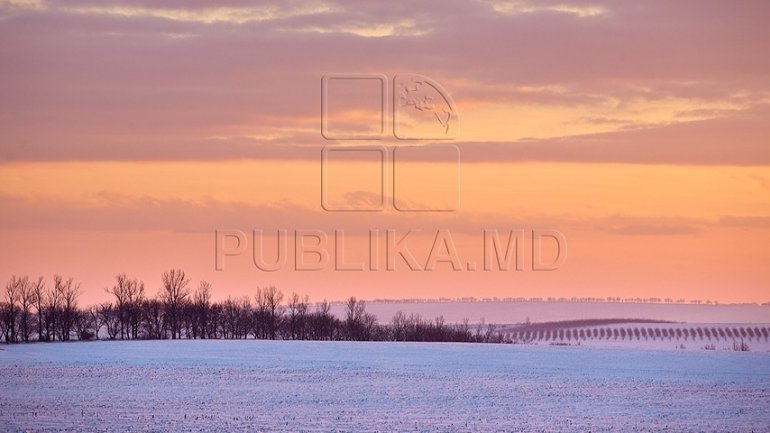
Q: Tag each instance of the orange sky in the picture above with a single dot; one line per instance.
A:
(129, 134)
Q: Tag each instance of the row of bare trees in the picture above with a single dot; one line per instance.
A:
(33, 308)
(35, 311)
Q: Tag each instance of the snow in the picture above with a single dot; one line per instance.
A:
(284, 386)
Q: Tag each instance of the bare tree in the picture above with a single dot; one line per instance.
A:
(398, 326)
(52, 312)
(4, 311)
(231, 314)
(153, 319)
(360, 324)
(322, 324)
(108, 317)
(129, 295)
(86, 324)
(297, 317)
(39, 300)
(25, 298)
(201, 310)
(269, 310)
(10, 311)
(174, 293)
(215, 321)
(68, 291)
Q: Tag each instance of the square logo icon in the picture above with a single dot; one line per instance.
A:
(354, 106)
(353, 178)
(426, 178)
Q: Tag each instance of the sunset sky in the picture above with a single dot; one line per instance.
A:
(131, 131)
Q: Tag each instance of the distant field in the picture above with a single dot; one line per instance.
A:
(642, 334)
(292, 386)
(509, 312)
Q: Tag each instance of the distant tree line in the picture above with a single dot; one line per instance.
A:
(32, 310)
(574, 299)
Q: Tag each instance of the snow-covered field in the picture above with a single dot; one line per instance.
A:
(240, 386)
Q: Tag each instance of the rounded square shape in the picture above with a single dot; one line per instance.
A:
(353, 106)
(426, 178)
(353, 178)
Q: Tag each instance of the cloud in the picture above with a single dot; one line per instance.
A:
(678, 226)
(762, 222)
(656, 228)
(740, 139)
(86, 80)
(110, 211)
(515, 7)
(404, 27)
(207, 15)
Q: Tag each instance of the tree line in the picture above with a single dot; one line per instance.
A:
(34, 310)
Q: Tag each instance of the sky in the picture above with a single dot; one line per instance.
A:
(132, 131)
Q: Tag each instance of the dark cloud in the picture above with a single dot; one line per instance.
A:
(123, 212)
(740, 139)
(745, 221)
